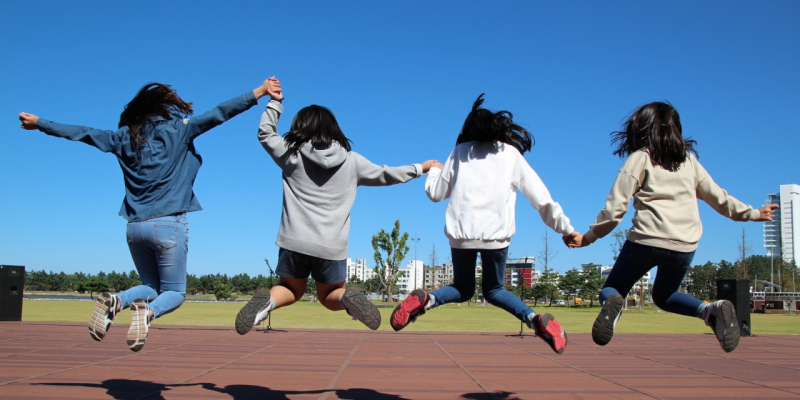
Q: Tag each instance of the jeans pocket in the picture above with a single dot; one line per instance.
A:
(166, 236)
(129, 232)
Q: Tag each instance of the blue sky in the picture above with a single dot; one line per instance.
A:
(400, 78)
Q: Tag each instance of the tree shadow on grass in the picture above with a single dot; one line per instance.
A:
(131, 389)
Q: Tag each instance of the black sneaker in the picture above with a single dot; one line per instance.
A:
(140, 324)
(603, 328)
(255, 311)
(361, 308)
(549, 330)
(408, 311)
(721, 317)
(103, 315)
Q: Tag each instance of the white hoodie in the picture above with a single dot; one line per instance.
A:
(481, 180)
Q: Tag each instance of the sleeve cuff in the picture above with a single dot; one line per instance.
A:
(42, 123)
(250, 98)
(590, 237)
(419, 170)
(275, 105)
(754, 213)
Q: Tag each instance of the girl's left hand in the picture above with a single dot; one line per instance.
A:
(28, 121)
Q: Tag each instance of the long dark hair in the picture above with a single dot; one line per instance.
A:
(655, 127)
(153, 99)
(316, 125)
(485, 126)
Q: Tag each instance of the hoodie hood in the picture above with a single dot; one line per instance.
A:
(331, 157)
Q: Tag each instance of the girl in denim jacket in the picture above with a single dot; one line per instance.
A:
(154, 146)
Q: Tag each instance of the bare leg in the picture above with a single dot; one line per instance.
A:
(288, 291)
(329, 295)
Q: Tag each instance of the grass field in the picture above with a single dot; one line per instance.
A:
(450, 318)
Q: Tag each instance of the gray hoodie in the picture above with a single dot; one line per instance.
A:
(319, 188)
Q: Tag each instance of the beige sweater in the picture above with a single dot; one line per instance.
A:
(666, 203)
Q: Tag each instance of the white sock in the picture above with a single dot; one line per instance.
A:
(702, 310)
(431, 301)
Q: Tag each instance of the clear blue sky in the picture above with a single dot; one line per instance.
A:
(400, 78)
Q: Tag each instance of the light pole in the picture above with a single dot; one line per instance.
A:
(771, 267)
(415, 240)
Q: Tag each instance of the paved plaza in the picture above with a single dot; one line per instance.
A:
(60, 361)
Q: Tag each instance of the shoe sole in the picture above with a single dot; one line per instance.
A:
(137, 334)
(415, 300)
(368, 314)
(730, 325)
(97, 322)
(603, 328)
(247, 315)
(550, 326)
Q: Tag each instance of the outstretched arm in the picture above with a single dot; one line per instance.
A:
(370, 174)
(102, 139)
(197, 125)
(268, 135)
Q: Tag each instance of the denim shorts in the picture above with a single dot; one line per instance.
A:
(299, 266)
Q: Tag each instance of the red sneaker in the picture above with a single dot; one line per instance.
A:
(547, 328)
(408, 311)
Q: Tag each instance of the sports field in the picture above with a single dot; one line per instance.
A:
(450, 318)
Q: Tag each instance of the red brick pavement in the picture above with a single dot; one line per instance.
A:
(61, 361)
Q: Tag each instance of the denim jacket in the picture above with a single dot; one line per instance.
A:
(159, 176)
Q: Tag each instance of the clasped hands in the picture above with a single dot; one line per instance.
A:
(575, 239)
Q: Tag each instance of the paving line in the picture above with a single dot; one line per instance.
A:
(335, 379)
(693, 369)
(794, 345)
(158, 391)
(578, 368)
(107, 360)
(721, 356)
(463, 368)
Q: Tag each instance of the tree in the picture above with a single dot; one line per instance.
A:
(434, 259)
(725, 270)
(549, 279)
(222, 292)
(741, 269)
(395, 249)
(620, 236)
(570, 282)
(593, 282)
(701, 281)
(95, 284)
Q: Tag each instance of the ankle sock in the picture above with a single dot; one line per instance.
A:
(702, 310)
(429, 304)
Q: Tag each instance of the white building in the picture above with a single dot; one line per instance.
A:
(440, 275)
(779, 233)
(411, 277)
(359, 269)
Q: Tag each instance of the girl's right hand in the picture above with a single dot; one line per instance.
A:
(765, 213)
(426, 166)
(274, 89)
(28, 121)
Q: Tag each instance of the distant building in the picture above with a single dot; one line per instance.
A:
(411, 277)
(521, 268)
(359, 269)
(438, 276)
(779, 233)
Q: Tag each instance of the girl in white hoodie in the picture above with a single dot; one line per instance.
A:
(481, 178)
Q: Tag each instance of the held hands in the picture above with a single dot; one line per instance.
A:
(29, 123)
(574, 240)
(271, 87)
(765, 213)
(426, 166)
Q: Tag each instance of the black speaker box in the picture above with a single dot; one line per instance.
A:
(737, 291)
(12, 279)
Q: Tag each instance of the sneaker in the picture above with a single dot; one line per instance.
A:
(721, 317)
(140, 324)
(103, 316)
(547, 328)
(360, 308)
(412, 307)
(603, 328)
(255, 311)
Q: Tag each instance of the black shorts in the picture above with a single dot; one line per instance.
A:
(299, 266)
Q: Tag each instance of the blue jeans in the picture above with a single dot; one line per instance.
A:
(635, 260)
(159, 247)
(494, 270)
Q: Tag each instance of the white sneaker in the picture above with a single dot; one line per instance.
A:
(140, 324)
(255, 311)
(721, 317)
(103, 315)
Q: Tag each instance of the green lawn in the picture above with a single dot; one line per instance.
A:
(451, 318)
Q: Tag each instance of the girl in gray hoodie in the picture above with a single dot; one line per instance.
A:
(320, 177)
